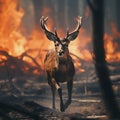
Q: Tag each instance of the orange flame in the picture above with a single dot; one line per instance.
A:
(111, 46)
(15, 44)
(10, 20)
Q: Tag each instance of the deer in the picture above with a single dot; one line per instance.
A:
(58, 63)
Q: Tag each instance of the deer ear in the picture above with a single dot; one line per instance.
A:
(72, 36)
(50, 36)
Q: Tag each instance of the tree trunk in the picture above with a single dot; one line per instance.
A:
(100, 62)
(118, 13)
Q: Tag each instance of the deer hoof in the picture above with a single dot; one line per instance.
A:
(62, 109)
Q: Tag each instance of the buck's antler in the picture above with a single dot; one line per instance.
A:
(43, 23)
(50, 35)
(74, 34)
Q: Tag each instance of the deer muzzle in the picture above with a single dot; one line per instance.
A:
(60, 53)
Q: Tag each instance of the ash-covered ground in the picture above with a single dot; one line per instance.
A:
(30, 92)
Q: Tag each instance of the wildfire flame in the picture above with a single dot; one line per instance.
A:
(10, 36)
(111, 46)
(16, 44)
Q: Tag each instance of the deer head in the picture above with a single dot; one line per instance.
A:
(61, 45)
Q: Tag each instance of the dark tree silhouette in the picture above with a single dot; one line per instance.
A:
(97, 7)
(117, 14)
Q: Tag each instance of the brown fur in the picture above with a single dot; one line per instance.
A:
(62, 68)
(51, 61)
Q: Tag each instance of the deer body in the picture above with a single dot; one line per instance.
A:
(59, 65)
(61, 68)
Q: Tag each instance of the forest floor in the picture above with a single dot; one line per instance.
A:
(32, 100)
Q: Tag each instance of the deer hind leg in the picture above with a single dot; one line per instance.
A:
(69, 87)
(53, 97)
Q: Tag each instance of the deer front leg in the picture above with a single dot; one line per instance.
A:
(69, 87)
(62, 108)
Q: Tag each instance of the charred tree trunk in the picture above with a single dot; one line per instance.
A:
(101, 67)
(118, 13)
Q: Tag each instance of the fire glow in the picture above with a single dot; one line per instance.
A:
(111, 46)
(16, 44)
